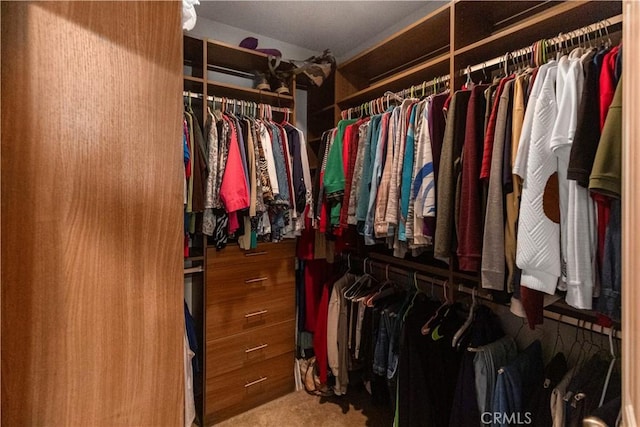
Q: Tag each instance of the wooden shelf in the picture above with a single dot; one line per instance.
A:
(427, 37)
(476, 20)
(237, 58)
(561, 17)
(426, 71)
(227, 90)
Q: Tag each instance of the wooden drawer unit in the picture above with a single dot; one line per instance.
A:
(241, 350)
(252, 312)
(245, 388)
(246, 281)
(250, 327)
(265, 253)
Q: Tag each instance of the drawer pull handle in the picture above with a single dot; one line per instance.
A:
(257, 313)
(252, 383)
(256, 280)
(259, 347)
(255, 253)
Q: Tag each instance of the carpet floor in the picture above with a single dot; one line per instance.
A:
(300, 409)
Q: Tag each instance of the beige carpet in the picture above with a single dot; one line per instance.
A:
(300, 409)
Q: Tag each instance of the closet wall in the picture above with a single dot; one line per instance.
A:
(92, 312)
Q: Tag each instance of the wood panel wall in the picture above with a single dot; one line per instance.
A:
(92, 320)
(631, 214)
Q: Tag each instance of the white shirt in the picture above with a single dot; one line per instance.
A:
(538, 247)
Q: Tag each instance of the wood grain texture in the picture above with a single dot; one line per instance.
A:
(250, 302)
(249, 348)
(229, 396)
(92, 288)
(630, 216)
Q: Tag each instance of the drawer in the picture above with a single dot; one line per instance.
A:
(241, 350)
(249, 311)
(265, 252)
(236, 392)
(242, 281)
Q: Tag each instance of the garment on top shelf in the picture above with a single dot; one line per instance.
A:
(487, 152)
(352, 133)
(334, 174)
(538, 252)
(577, 210)
(381, 226)
(405, 228)
(493, 252)
(470, 223)
(377, 147)
(354, 193)
(447, 176)
(512, 199)
(423, 197)
(399, 146)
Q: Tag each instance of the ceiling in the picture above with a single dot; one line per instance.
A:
(317, 25)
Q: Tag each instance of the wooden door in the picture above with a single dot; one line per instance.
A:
(92, 320)
(630, 215)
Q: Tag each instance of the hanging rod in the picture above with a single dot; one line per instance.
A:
(555, 41)
(408, 273)
(398, 95)
(236, 101)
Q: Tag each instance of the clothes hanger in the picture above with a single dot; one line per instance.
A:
(469, 83)
(611, 365)
(467, 323)
(351, 291)
(426, 328)
(558, 337)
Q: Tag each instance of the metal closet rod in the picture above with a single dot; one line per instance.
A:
(561, 38)
(369, 263)
(400, 95)
(234, 101)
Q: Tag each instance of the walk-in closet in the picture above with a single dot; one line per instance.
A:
(386, 213)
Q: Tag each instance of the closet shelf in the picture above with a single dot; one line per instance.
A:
(193, 79)
(227, 90)
(429, 34)
(561, 17)
(238, 58)
(428, 70)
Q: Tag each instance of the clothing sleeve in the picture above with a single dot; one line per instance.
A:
(606, 175)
